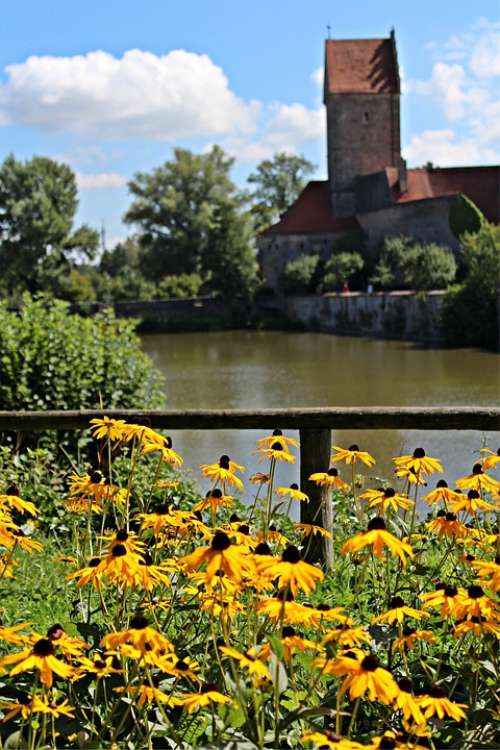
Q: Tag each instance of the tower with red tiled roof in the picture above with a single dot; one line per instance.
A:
(361, 96)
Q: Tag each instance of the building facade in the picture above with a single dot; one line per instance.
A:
(369, 190)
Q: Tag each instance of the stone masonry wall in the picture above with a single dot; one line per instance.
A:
(392, 315)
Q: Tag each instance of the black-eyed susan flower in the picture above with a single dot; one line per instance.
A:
(259, 478)
(41, 656)
(12, 634)
(185, 668)
(147, 694)
(436, 703)
(150, 575)
(491, 459)
(208, 695)
(220, 555)
(330, 478)
(165, 450)
(398, 611)
(447, 598)
(478, 626)
(290, 571)
(386, 498)
(311, 529)
(112, 429)
(446, 524)
(442, 493)
(472, 503)
(488, 572)
(45, 705)
(326, 739)
(138, 640)
(100, 666)
(475, 603)
(14, 501)
(213, 501)
(351, 455)
(347, 635)
(223, 471)
(406, 703)
(118, 565)
(277, 452)
(284, 608)
(366, 676)
(377, 537)
(411, 636)
(410, 475)
(292, 492)
(91, 573)
(418, 462)
(20, 707)
(250, 661)
(478, 480)
(287, 442)
(293, 642)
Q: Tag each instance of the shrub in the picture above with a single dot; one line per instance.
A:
(389, 268)
(179, 286)
(429, 267)
(471, 311)
(339, 269)
(464, 217)
(300, 273)
(54, 360)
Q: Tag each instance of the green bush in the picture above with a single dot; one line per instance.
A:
(299, 274)
(471, 311)
(339, 269)
(179, 286)
(429, 267)
(464, 217)
(389, 269)
(51, 359)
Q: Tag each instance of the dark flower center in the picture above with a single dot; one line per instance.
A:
(119, 550)
(288, 631)
(24, 699)
(396, 602)
(277, 432)
(323, 607)
(451, 517)
(262, 549)
(224, 462)
(244, 528)
(234, 518)
(436, 692)
(43, 647)
(95, 477)
(440, 586)
(217, 493)
(407, 630)
(450, 591)
(387, 743)
(476, 469)
(405, 684)
(94, 562)
(440, 514)
(389, 492)
(294, 486)
(470, 558)
(146, 559)
(139, 622)
(100, 664)
(276, 446)
(121, 536)
(473, 495)
(220, 541)
(475, 592)
(291, 554)
(419, 453)
(168, 441)
(207, 687)
(354, 447)
(55, 632)
(162, 509)
(376, 524)
(272, 527)
(285, 594)
(370, 663)
(182, 666)
(333, 472)
(442, 483)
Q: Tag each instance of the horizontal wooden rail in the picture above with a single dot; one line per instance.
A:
(341, 418)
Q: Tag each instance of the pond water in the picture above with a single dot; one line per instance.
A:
(252, 369)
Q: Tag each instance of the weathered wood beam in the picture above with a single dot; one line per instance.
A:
(315, 450)
(352, 418)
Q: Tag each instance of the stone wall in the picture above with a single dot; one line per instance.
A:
(392, 315)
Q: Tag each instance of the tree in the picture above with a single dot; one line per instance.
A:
(278, 183)
(191, 219)
(429, 267)
(339, 269)
(300, 274)
(38, 202)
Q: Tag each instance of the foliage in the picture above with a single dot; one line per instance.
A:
(404, 263)
(299, 274)
(278, 182)
(464, 217)
(38, 202)
(54, 360)
(471, 311)
(339, 268)
(179, 286)
(184, 633)
(191, 219)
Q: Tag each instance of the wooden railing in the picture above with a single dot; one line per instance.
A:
(314, 425)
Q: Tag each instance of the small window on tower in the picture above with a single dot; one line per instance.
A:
(366, 118)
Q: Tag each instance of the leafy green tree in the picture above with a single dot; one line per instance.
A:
(179, 286)
(278, 182)
(389, 269)
(300, 274)
(189, 214)
(38, 245)
(123, 255)
(339, 269)
(429, 267)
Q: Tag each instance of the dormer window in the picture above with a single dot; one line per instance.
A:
(366, 118)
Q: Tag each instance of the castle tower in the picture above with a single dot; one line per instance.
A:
(361, 95)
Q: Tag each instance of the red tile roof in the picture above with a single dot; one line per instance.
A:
(312, 213)
(480, 184)
(361, 66)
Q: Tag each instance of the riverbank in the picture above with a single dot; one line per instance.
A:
(384, 315)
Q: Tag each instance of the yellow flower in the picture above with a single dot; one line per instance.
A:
(16, 502)
(442, 492)
(410, 475)
(347, 636)
(249, 661)
(207, 695)
(293, 492)
(266, 442)
(260, 478)
(276, 451)
(351, 455)
(478, 481)
(113, 429)
(283, 607)
(411, 637)
(377, 537)
(331, 479)
(46, 706)
(21, 706)
(12, 634)
(147, 694)
(446, 524)
(309, 528)
(436, 703)
(448, 599)
(398, 611)
(40, 656)
(477, 625)
(330, 739)
(214, 500)
(386, 499)
(471, 503)
(290, 571)
(492, 459)
(223, 472)
(221, 555)
(165, 450)
(139, 640)
(489, 572)
(418, 462)
(406, 703)
(365, 675)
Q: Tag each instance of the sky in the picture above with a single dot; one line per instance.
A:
(111, 88)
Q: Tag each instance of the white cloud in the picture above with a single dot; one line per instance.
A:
(100, 181)
(444, 149)
(485, 57)
(447, 86)
(317, 76)
(172, 96)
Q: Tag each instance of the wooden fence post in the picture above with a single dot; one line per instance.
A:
(315, 451)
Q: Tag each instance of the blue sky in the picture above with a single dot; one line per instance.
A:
(111, 87)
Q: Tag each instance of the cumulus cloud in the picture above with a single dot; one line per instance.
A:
(171, 96)
(446, 150)
(447, 86)
(100, 181)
